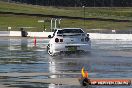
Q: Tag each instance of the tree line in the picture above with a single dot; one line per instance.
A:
(79, 3)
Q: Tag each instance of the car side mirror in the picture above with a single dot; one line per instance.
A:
(49, 36)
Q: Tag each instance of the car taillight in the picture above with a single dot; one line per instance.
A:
(61, 40)
(56, 40)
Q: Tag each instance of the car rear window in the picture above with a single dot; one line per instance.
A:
(60, 32)
(70, 31)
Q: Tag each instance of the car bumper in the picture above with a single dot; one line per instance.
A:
(71, 48)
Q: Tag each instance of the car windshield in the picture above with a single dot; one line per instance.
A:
(70, 31)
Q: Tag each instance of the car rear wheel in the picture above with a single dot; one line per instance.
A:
(48, 50)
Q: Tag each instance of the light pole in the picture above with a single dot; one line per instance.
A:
(51, 25)
(59, 23)
(55, 23)
(84, 15)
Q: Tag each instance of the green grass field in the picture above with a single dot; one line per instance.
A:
(16, 21)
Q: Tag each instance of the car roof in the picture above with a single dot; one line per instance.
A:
(57, 29)
(71, 28)
(65, 28)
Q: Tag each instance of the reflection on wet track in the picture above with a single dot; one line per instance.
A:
(108, 58)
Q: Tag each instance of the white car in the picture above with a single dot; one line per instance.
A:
(68, 41)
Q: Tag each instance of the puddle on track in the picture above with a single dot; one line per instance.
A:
(108, 58)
